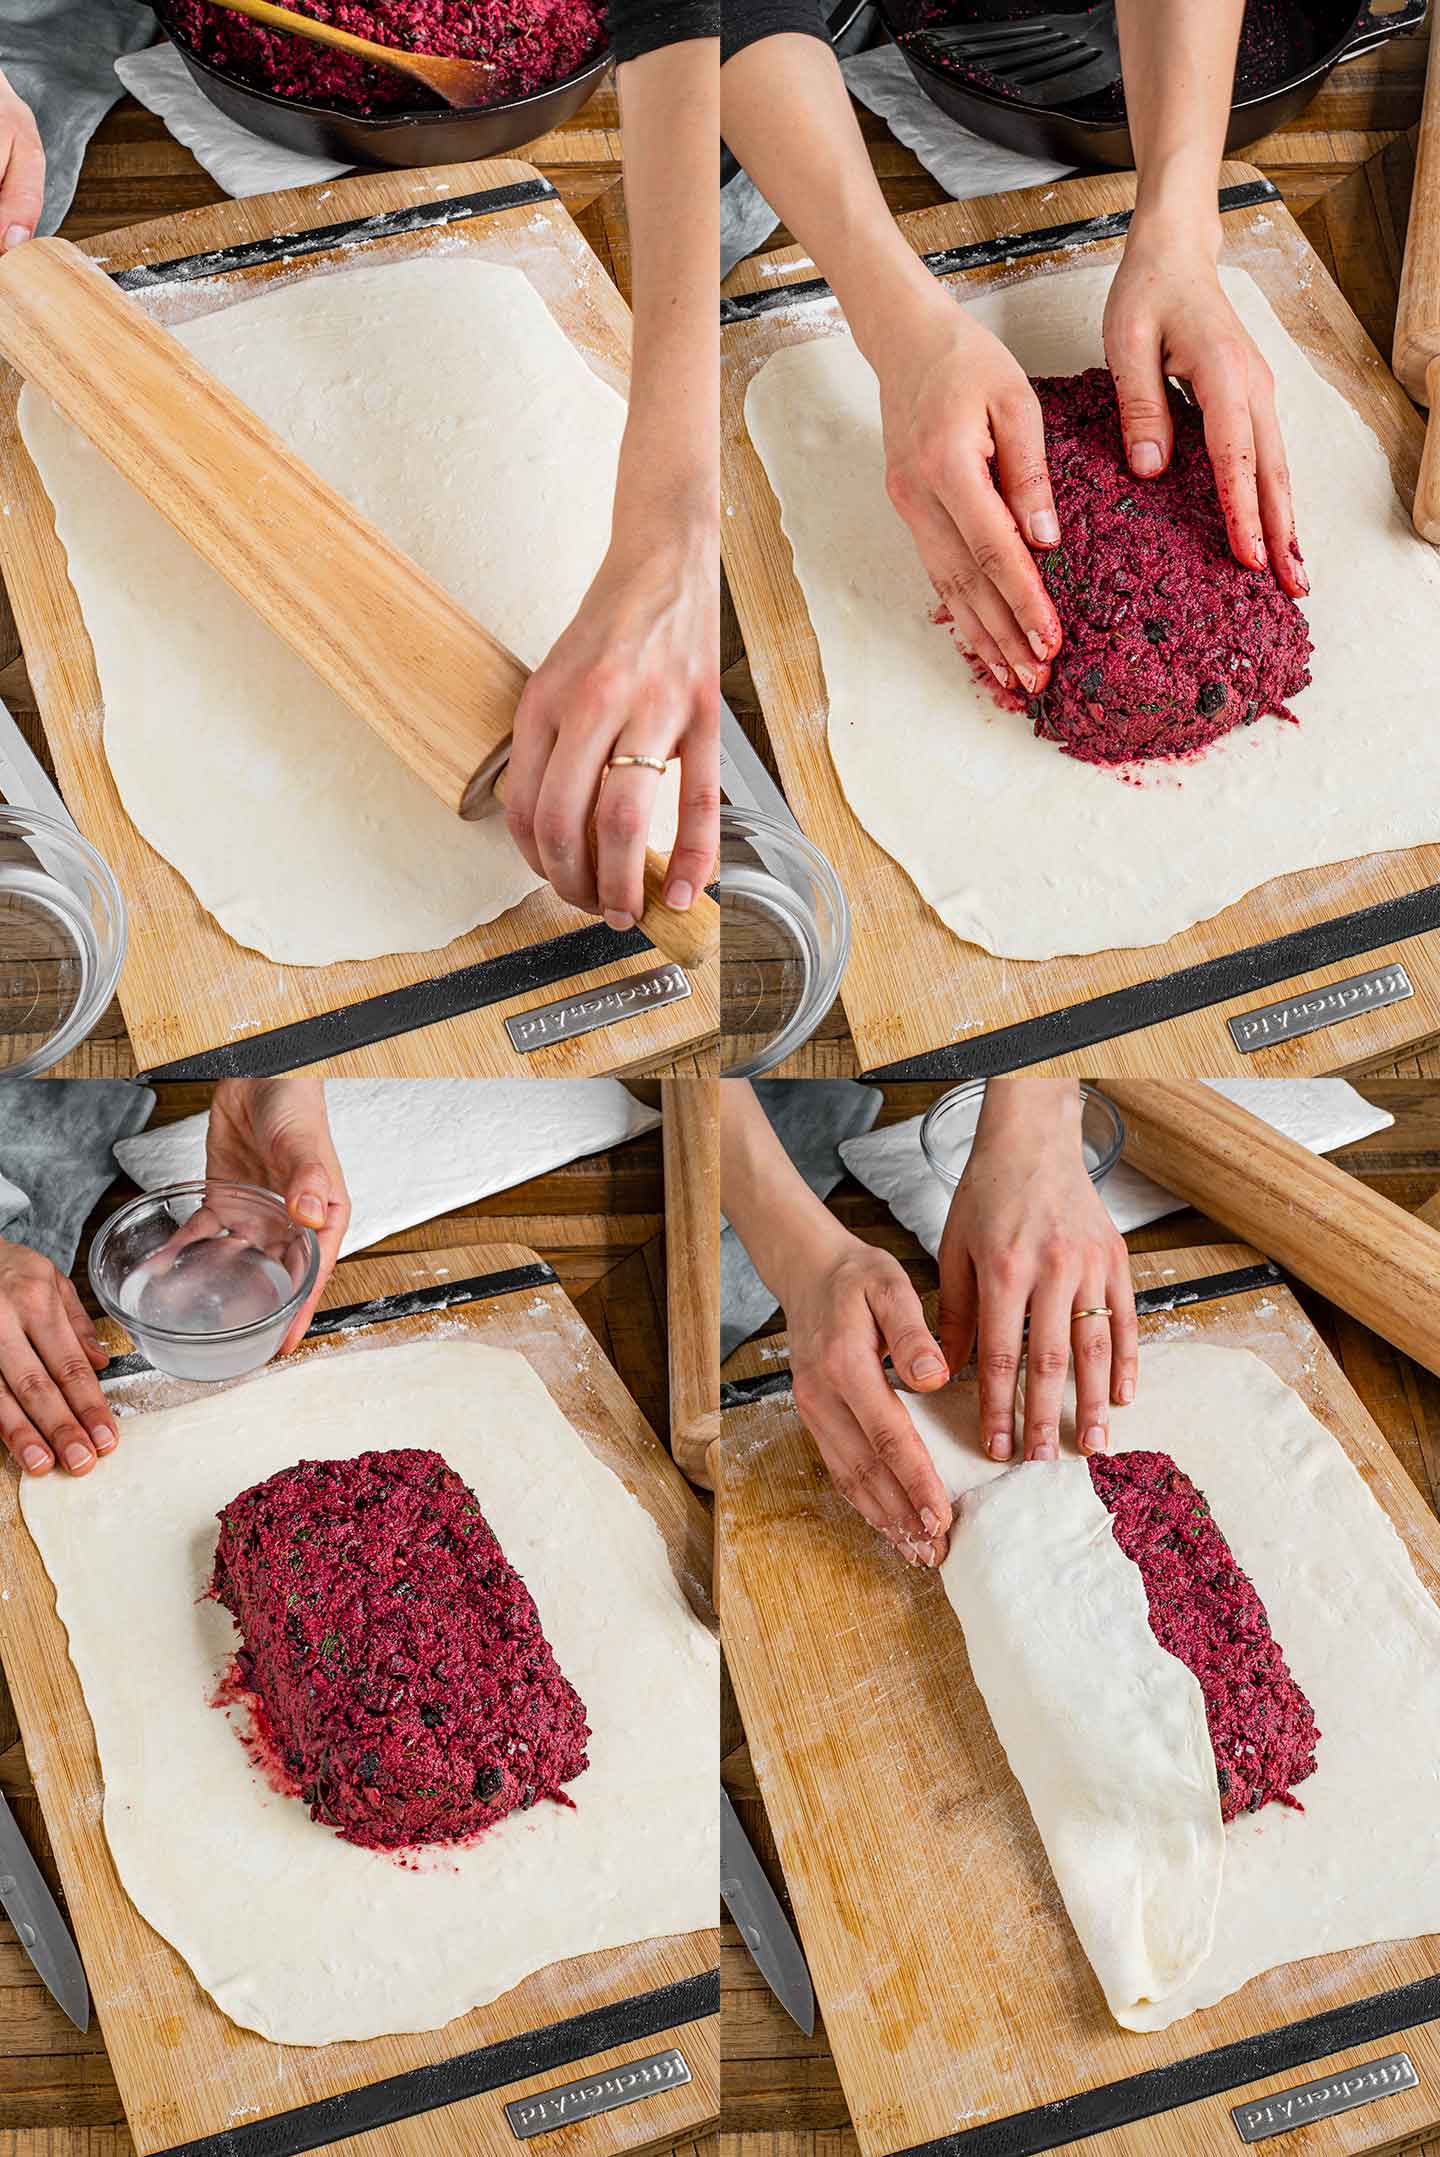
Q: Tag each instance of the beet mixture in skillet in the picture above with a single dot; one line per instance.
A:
(1168, 641)
(394, 1655)
(531, 42)
(1205, 1612)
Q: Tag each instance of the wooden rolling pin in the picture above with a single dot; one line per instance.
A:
(1371, 1257)
(1415, 355)
(691, 1134)
(438, 689)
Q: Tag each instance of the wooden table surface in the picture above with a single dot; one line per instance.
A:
(133, 170)
(782, 2096)
(1344, 167)
(600, 1223)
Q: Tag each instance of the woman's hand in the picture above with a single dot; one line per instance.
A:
(633, 675)
(51, 1408)
(1167, 314)
(22, 170)
(1027, 1234)
(846, 1310)
(275, 1133)
(952, 398)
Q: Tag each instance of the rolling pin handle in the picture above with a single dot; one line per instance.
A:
(481, 797)
(1427, 486)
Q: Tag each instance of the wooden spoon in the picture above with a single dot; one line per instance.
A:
(459, 82)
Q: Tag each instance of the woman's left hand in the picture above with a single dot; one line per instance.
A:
(1167, 314)
(275, 1133)
(633, 675)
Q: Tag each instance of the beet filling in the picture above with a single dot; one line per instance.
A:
(1168, 641)
(395, 1655)
(1205, 1612)
(530, 42)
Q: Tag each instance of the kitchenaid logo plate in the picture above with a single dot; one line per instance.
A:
(571, 2101)
(1268, 1024)
(1321, 2100)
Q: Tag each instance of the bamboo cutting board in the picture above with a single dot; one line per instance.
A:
(948, 1002)
(191, 2079)
(956, 1999)
(187, 989)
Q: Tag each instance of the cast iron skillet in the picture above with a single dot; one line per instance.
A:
(1341, 31)
(444, 137)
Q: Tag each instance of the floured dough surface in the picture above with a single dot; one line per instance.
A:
(442, 399)
(1107, 1740)
(293, 1932)
(1031, 853)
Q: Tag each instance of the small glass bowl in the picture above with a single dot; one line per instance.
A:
(62, 940)
(177, 1267)
(785, 940)
(949, 1131)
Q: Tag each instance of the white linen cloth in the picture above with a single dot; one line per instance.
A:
(415, 1148)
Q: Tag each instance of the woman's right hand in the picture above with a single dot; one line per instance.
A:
(952, 398)
(22, 170)
(846, 1310)
(51, 1408)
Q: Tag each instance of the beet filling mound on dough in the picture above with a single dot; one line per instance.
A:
(1168, 641)
(395, 1657)
(530, 42)
(1205, 1612)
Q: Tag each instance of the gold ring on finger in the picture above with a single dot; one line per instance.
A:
(648, 763)
(1093, 1310)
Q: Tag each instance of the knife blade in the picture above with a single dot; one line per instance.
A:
(744, 781)
(42, 1931)
(764, 1927)
(24, 781)
(25, 784)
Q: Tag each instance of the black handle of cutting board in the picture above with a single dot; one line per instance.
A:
(1174, 996)
(1186, 2082)
(1006, 247)
(470, 2074)
(355, 232)
(383, 1310)
(403, 1011)
(1174, 1296)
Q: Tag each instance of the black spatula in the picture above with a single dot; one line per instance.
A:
(1052, 59)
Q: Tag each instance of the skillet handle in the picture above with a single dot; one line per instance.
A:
(1373, 29)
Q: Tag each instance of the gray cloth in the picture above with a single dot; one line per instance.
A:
(810, 1117)
(59, 55)
(746, 221)
(56, 1151)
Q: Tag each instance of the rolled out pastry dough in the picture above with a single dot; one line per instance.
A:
(442, 399)
(1031, 853)
(1173, 1910)
(294, 1933)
